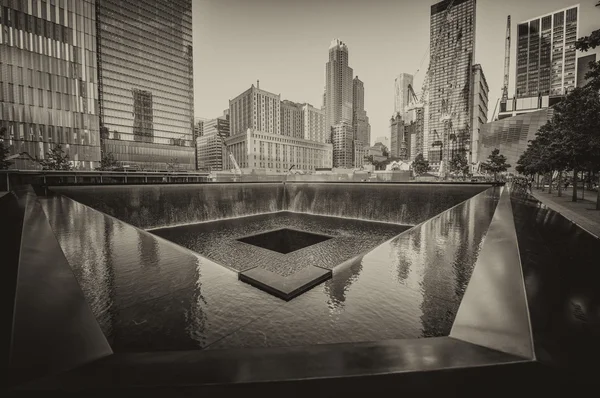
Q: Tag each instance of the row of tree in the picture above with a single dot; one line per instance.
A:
(459, 164)
(569, 143)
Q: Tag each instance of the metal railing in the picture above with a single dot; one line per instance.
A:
(11, 178)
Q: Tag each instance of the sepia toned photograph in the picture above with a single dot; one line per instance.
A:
(318, 198)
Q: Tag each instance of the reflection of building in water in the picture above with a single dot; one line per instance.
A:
(337, 286)
(196, 327)
(148, 249)
(86, 243)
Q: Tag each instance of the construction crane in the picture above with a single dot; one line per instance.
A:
(423, 101)
(236, 167)
(506, 66)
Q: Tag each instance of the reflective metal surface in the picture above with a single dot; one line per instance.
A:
(494, 312)
(53, 329)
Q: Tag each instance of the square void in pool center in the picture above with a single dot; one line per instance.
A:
(285, 240)
(266, 252)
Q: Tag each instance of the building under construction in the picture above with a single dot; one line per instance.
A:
(449, 91)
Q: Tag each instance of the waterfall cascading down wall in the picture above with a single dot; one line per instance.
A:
(156, 206)
(407, 204)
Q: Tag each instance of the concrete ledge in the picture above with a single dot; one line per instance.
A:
(227, 367)
(286, 288)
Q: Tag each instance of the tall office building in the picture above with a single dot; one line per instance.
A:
(546, 54)
(145, 75)
(399, 139)
(360, 120)
(452, 41)
(292, 123)
(342, 139)
(48, 80)
(401, 93)
(210, 144)
(256, 109)
(314, 124)
(479, 108)
(339, 85)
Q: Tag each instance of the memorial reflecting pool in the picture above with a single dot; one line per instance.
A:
(177, 288)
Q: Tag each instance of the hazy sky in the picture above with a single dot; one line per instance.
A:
(285, 43)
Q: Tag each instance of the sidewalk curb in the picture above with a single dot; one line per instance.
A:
(553, 207)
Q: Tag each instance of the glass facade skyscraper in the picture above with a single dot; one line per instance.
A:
(546, 54)
(48, 80)
(146, 83)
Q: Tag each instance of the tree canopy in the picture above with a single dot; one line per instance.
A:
(496, 163)
(420, 166)
(56, 159)
(4, 152)
(107, 162)
(459, 163)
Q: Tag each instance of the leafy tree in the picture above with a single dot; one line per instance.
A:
(420, 166)
(577, 121)
(4, 152)
(587, 43)
(496, 163)
(56, 159)
(173, 164)
(459, 163)
(107, 162)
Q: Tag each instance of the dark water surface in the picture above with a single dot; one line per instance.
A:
(151, 294)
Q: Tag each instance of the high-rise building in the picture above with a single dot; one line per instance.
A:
(546, 54)
(314, 124)
(342, 138)
(583, 67)
(479, 108)
(145, 81)
(292, 123)
(361, 152)
(401, 93)
(360, 120)
(338, 90)
(255, 109)
(399, 139)
(48, 80)
(452, 42)
(210, 144)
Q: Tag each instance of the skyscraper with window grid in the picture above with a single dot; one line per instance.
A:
(546, 54)
(145, 75)
(48, 80)
(452, 43)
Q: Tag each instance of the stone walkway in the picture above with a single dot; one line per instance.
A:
(582, 212)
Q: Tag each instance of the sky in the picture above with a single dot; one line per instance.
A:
(284, 44)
